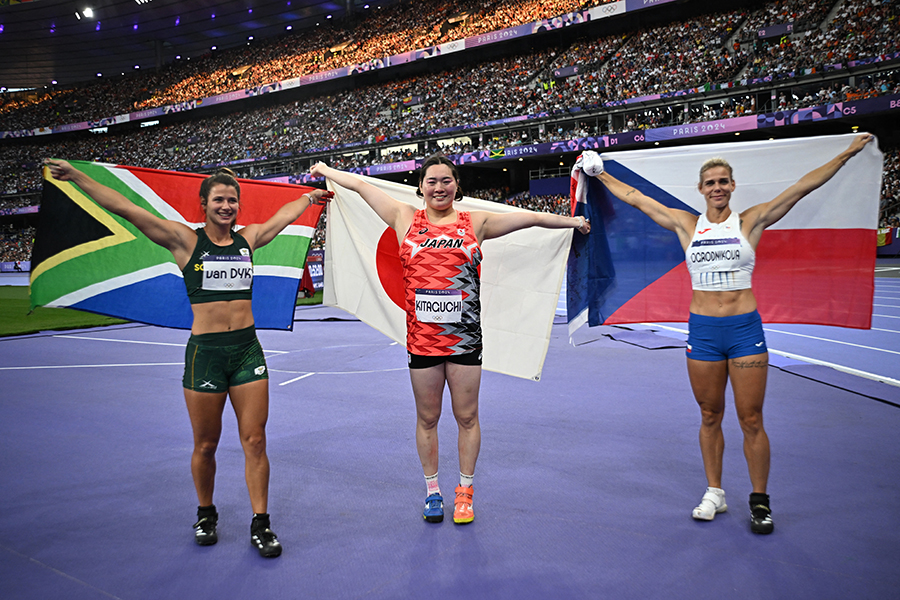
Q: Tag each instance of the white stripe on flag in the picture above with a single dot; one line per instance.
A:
(148, 194)
(277, 271)
(169, 268)
(764, 169)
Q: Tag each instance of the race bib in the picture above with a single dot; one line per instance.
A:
(439, 306)
(227, 273)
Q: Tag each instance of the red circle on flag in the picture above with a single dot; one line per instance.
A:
(390, 271)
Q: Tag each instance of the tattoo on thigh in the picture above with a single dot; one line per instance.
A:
(749, 364)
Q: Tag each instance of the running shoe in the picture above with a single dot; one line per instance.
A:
(434, 508)
(205, 527)
(262, 536)
(462, 506)
(712, 503)
(760, 514)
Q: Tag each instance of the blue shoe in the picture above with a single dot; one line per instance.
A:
(434, 508)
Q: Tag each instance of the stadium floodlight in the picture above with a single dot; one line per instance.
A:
(88, 12)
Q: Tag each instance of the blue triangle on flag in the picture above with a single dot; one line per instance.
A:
(625, 252)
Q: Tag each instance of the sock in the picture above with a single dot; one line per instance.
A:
(757, 498)
(206, 511)
(431, 485)
(466, 480)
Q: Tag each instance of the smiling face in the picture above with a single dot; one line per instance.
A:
(222, 205)
(439, 187)
(716, 185)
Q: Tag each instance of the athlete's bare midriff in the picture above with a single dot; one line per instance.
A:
(723, 303)
(226, 315)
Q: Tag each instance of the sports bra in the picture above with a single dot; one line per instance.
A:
(719, 257)
(217, 273)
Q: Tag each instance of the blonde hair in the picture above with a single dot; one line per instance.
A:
(713, 163)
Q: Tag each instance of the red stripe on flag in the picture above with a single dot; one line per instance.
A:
(811, 276)
(259, 199)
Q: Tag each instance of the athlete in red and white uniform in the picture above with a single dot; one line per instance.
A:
(440, 275)
(726, 337)
(441, 250)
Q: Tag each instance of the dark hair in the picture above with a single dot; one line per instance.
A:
(222, 176)
(439, 159)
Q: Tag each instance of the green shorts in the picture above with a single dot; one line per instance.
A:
(214, 362)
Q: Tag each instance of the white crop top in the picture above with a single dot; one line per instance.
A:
(719, 257)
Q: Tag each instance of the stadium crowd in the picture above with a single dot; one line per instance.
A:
(661, 59)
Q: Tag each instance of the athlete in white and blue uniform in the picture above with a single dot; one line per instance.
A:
(726, 337)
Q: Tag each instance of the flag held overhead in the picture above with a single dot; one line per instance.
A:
(815, 265)
(88, 259)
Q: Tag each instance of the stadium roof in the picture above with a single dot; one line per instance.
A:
(42, 41)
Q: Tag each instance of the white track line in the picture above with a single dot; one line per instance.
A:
(296, 379)
(305, 375)
(92, 366)
(96, 339)
(814, 361)
(821, 339)
(180, 345)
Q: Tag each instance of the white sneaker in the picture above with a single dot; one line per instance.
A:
(713, 502)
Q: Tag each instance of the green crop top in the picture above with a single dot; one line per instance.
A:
(217, 273)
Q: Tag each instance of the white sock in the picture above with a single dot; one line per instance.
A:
(431, 485)
(465, 480)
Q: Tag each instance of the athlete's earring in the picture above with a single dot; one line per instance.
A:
(459, 194)
(419, 193)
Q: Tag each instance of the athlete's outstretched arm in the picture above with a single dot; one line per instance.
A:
(175, 237)
(260, 234)
(762, 215)
(398, 215)
(490, 225)
(679, 221)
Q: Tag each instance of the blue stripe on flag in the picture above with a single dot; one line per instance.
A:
(165, 303)
(157, 301)
(625, 251)
(280, 294)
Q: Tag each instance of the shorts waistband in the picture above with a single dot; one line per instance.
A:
(225, 338)
(728, 321)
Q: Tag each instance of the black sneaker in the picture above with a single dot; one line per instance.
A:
(760, 514)
(262, 536)
(205, 527)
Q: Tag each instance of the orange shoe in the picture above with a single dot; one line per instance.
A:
(462, 506)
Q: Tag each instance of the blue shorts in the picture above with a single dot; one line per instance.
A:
(721, 338)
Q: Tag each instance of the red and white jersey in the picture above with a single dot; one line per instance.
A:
(442, 283)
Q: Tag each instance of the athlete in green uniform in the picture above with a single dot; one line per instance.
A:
(223, 357)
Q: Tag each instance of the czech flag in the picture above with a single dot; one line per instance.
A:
(816, 265)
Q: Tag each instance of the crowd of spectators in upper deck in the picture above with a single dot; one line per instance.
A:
(667, 58)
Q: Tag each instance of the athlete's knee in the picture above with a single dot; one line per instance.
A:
(206, 448)
(428, 420)
(254, 443)
(751, 421)
(466, 419)
(711, 415)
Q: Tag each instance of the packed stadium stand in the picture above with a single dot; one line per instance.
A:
(519, 107)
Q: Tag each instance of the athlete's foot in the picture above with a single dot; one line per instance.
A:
(205, 527)
(462, 506)
(263, 538)
(712, 503)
